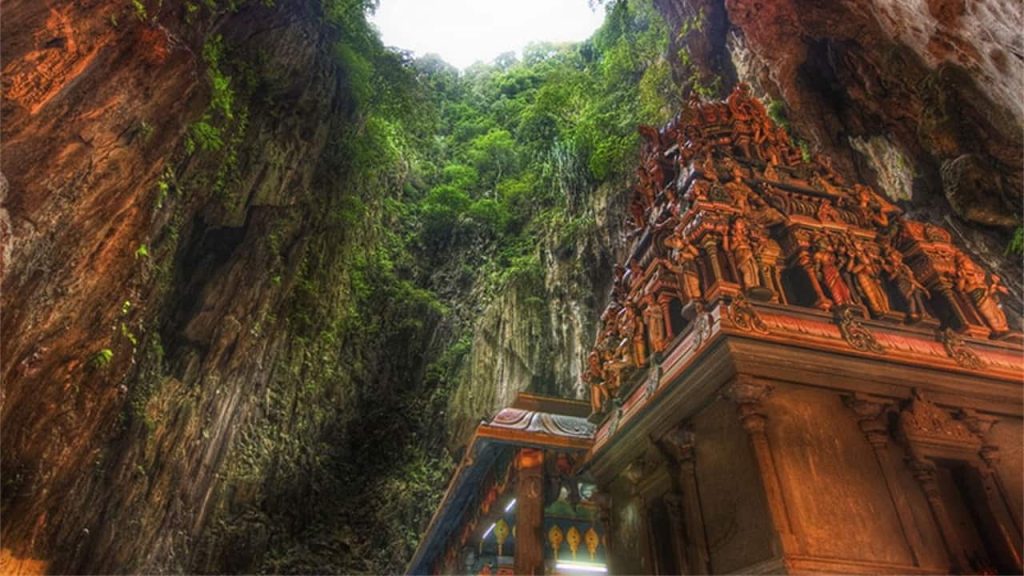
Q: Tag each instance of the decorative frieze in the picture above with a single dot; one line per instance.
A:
(727, 209)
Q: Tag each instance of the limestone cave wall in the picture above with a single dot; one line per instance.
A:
(181, 360)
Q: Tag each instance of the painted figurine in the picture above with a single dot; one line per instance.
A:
(912, 291)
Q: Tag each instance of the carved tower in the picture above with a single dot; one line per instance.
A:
(808, 380)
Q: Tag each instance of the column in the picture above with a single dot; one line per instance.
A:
(529, 557)
(924, 473)
(1006, 517)
(674, 507)
(870, 416)
(747, 393)
(679, 444)
(636, 473)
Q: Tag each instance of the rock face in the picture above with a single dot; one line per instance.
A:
(535, 334)
(158, 376)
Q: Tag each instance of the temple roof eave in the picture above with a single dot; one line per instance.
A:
(510, 427)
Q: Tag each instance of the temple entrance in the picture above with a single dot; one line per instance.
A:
(984, 544)
(663, 538)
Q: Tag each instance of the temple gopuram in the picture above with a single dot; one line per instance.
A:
(790, 376)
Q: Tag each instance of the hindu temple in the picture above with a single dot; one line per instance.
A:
(790, 376)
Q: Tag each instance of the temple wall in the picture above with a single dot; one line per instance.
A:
(834, 488)
(739, 530)
(931, 549)
(834, 492)
(627, 544)
(1006, 435)
(851, 506)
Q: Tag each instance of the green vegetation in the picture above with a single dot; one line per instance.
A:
(1016, 245)
(140, 9)
(520, 144)
(101, 358)
(438, 184)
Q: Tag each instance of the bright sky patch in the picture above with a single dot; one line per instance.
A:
(466, 31)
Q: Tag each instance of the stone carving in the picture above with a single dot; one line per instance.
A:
(863, 265)
(856, 334)
(654, 320)
(685, 258)
(738, 242)
(971, 280)
(631, 329)
(727, 210)
(922, 420)
(826, 266)
(914, 293)
(554, 424)
(594, 377)
(959, 352)
(745, 317)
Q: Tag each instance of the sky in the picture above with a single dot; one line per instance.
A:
(465, 31)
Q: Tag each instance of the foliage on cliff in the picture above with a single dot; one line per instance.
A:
(519, 143)
(476, 169)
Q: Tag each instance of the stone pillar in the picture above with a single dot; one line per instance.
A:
(604, 517)
(665, 302)
(675, 508)
(529, 557)
(924, 473)
(870, 416)
(1006, 517)
(747, 393)
(980, 426)
(710, 245)
(635, 473)
(678, 444)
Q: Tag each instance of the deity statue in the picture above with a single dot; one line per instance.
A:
(671, 208)
(620, 290)
(825, 169)
(631, 328)
(825, 185)
(826, 266)
(749, 203)
(828, 213)
(742, 120)
(637, 212)
(862, 265)
(594, 376)
(739, 192)
(872, 207)
(912, 291)
(970, 280)
(710, 114)
(738, 243)
(614, 364)
(652, 161)
(691, 144)
(789, 155)
(607, 338)
(654, 319)
(684, 265)
(635, 278)
(646, 186)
